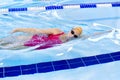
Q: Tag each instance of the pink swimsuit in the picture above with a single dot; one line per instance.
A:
(44, 41)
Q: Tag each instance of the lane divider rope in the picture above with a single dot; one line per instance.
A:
(64, 6)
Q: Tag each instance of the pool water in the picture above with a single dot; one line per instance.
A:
(91, 20)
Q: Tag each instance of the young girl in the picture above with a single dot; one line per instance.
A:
(51, 37)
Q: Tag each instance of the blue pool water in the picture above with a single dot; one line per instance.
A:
(91, 20)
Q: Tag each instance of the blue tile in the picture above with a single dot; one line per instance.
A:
(104, 56)
(115, 54)
(12, 73)
(116, 58)
(105, 60)
(46, 64)
(61, 67)
(76, 65)
(32, 66)
(15, 68)
(1, 75)
(93, 62)
(62, 62)
(29, 71)
(75, 60)
(91, 58)
(1, 70)
(45, 69)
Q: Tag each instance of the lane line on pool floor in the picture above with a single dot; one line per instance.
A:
(58, 65)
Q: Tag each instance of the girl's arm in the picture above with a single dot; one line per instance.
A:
(37, 31)
(95, 34)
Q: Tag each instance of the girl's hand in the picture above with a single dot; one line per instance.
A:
(14, 31)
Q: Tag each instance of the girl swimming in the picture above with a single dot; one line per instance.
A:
(50, 38)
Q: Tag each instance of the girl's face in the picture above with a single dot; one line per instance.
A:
(75, 32)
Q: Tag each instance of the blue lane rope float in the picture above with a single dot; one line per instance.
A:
(65, 6)
(58, 65)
